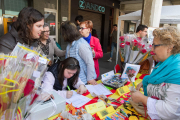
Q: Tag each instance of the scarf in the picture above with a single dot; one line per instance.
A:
(167, 72)
(88, 38)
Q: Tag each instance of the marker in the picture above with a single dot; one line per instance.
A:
(121, 117)
(121, 110)
(68, 88)
(108, 118)
(121, 114)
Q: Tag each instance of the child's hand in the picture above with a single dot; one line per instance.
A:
(69, 94)
(82, 89)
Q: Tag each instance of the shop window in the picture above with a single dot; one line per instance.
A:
(0, 12)
(13, 7)
(50, 4)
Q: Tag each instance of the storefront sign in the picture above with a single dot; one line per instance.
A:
(91, 6)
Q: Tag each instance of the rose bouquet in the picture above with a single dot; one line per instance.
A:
(133, 49)
(16, 83)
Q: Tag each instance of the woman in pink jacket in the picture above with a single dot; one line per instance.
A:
(85, 30)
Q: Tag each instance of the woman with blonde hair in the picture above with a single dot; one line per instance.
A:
(161, 87)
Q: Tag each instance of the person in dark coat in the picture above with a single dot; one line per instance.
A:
(26, 30)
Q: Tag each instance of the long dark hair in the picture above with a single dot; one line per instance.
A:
(70, 32)
(27, 16)
(72, 64)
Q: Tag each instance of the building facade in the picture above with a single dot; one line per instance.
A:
(103, 14)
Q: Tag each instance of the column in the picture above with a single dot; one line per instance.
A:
(122, 25)
(116, 15)
(151, 12)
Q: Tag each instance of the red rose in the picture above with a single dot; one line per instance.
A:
(143, 46)
(143, 50)
(139, 45)
(139, 38)
(127, 43)
(152, 53)
(150, 46)
(122, 38)
(135, 43)
(122, 45)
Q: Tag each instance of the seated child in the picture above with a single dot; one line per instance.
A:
(63, 74)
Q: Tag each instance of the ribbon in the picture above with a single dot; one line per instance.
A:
(9, 86)
(33, 52)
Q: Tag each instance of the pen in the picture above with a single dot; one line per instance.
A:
(68, 88)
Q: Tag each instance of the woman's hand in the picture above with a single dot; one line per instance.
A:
(94, 54)
(140, 85)
(69, 94)
(92, 82)
(49, 97)
(50, 63)
(139, 97)
(82, 89)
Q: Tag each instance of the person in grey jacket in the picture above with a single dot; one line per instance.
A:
(26, 30)
(48, 45)
(80, 49)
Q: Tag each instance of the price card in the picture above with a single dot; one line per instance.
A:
(107, 75)
(42, 60)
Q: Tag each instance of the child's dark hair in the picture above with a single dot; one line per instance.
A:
(71, 64)
(27, 16)
(79, 18)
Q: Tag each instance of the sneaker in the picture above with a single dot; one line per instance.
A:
(110, 60)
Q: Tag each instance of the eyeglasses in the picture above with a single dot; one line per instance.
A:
(81, 28)
(46, 31)
(154, 46)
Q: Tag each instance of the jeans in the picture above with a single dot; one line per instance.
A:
(112, 48)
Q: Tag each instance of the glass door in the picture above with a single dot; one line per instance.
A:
(52, 19)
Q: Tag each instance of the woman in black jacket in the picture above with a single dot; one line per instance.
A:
(27, 29)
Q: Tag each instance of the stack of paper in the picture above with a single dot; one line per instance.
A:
(99, 89)
(77, 100)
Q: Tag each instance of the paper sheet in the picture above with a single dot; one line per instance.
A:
(77, 100)
(98, 89)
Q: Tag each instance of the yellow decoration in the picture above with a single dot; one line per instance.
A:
(33, 52)
(89, 96)
(123, 90)
(109, 111)
(138, 81)
(19, 114)
(133, 118)
(138, 75)
(99, 81)
(93, 108)
(145, 57)
(115, 95)
(53, 117)
(4, 91)
(122, 59)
